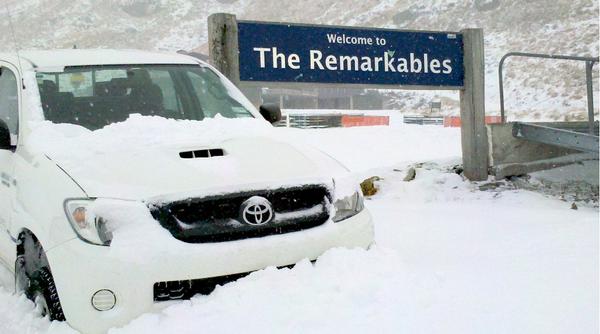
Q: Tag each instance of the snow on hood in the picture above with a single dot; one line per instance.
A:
(139, 158)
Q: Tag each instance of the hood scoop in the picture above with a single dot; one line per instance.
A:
(207, 153)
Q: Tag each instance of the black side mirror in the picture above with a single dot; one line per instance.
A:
(271, 112)
(5, 143)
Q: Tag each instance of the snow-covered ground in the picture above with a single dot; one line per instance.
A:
(449, 258)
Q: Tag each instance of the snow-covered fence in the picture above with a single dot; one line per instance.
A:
(423, 120)
(329, 119)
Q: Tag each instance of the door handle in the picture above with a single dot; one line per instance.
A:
(6, 180)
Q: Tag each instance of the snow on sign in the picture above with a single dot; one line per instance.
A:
(345, 55)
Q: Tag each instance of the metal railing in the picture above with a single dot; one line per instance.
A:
(423, 120)
(309, 121)
(589, 64)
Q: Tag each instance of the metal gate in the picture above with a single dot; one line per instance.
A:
(585, 140)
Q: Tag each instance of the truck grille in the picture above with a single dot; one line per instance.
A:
(217, 218)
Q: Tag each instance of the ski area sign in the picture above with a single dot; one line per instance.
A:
(262, 54)
(273, 52)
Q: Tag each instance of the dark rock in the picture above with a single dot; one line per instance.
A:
(141, 8)
(404, 17)
(410, 175)
(490, 186)
(485, 5)
(368, 186)
(458, 169)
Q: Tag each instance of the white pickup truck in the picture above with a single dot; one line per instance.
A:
(130, 178)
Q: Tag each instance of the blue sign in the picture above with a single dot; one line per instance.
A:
(345, 55)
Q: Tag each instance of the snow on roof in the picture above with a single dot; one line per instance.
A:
(81, 57)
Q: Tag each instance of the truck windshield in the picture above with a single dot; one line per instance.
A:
(95, 96)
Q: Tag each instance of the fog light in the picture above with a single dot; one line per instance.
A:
(104, 300)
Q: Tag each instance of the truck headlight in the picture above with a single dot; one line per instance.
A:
(89, 227)
(348, 206)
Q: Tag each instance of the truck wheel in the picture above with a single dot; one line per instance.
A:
(33, 277)
(43, 293)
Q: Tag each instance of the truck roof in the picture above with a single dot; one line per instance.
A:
(83, 57)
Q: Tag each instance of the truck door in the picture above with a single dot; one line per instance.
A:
(9, 115)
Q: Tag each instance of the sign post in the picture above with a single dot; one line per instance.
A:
(223, 45)
(263, 53)
(472, 108)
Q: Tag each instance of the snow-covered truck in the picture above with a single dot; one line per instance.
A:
(131, 178)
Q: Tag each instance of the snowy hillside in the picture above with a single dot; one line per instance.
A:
(535, 89)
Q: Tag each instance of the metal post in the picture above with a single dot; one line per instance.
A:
(472, 108)
(590, 95)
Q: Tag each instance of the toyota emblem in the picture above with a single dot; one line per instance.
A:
(257, 211)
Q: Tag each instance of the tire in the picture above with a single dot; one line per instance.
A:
(34, 278)
(42, 291)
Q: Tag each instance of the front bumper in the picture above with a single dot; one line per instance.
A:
(81, 269)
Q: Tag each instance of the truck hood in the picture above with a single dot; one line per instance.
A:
(248, 163)
(122, 161)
